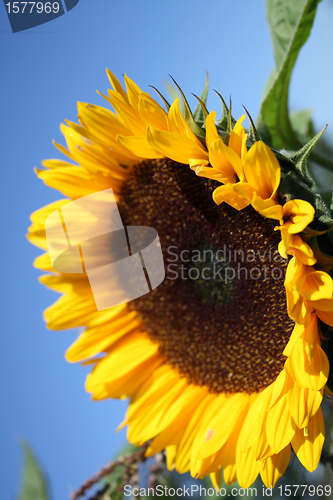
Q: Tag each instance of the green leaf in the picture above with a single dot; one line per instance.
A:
(34, 484)
(301, 122)
(290, 25)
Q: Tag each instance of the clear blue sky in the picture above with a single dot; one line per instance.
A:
(47, 69)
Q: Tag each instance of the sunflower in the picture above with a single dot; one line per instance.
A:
(223, 362)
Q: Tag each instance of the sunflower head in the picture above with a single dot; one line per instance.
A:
(225, 363)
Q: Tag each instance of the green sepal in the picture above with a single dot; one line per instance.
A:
(287, 165)
(230, 126)
(222, 123)
(293, 187)
(199, 112)
(323, 213)
(204, 110)
(166, 104)
(253, 133)
(198, 131)
(301, 156)
(326, 196)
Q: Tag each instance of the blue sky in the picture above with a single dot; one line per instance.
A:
(45, 71)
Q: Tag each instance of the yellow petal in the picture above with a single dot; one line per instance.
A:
(139, 146)
(122, 372)
(303, 404)
(76, 182)
(176, 419)
(181, 411)
(279, 388)
(296, 306)
(301, 250)
(316, 286)
(170, 456)
(211, 130)
(228, 194)
(325, 316)
(236, 137)
(226, 455)
(308, 443)
(216, 478)
(266, 207)
(175, 146)
(262, 447)
(225, 160)
(101, 121)
(252, 426)
(280, 427)
(96, 340)
(262, 170)
(247, 467)
(152, 113)
(285, 241)
(295, 335)
(230, 473)
(300, 213)
(90, 156)
(312, 375)
(116, 85)
(214, 434)
(37, 234)
(274, 467)
(130, 115)
(76, 308)
(55, 163)
(179, 125)
(133, 92)
(185, 446)
(296, 274)
(148, 422)
(204, 171)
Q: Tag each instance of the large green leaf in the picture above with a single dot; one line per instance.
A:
(290, 24)
(34, 485)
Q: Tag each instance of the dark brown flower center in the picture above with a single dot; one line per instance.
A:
(220, 315)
